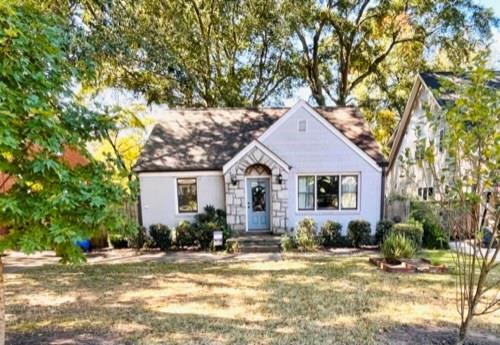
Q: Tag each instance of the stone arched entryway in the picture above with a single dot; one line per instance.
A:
(256, 166)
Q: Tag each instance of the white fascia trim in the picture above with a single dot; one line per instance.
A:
(300, 104)
(304, 105)
(407, 116)
(193, 173)
(429, 91)
(402, 123)
(260, 146)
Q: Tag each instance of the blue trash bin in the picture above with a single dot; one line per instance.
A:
(84, 244)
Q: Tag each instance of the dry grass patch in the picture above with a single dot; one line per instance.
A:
(314, 301)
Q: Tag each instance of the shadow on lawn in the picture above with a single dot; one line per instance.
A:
(316, 302)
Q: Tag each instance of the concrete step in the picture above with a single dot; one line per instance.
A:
(257, 243)
(259, 248)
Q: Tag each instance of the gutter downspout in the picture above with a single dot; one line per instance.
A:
(139, 204)
(383, 165)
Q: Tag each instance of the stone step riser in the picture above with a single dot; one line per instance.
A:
(259, 249)
(257, 242)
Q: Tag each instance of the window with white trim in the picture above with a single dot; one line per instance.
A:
(425, 193)
(349, 191)
(187, 195)
(327, 192)
(306, 192)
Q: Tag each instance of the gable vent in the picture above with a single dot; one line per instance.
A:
(302, 125)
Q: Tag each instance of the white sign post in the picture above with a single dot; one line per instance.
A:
(217, 238)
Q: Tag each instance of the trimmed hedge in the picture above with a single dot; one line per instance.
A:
(412, 231)
(287, 242)
(435, 236)
(118, 242)
(160, 234)
(206, 223)
(330, 234)
(384, 227)
(306, 234)
(138, 239)
(184, 234)
(359, 232)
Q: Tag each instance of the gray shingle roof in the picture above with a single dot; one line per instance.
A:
(206, 139)
(433, 81)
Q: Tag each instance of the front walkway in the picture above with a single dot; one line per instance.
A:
(16, 261)
(467, 248)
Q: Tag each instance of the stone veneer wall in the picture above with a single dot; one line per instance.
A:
(235, 194)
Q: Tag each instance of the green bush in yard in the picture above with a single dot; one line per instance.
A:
(138, 239)
(118, 242)
(435, 237)
(330, 234)
(306, 234)
(184, 234)
(358, 232)
(205, 233)
(384, 227)
(287, 242)
(397, 246)
(412, 230)
(160, 234)
(206, 223)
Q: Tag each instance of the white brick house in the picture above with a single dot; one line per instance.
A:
(268, 168)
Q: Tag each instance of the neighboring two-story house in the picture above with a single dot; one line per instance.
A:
(404, 176)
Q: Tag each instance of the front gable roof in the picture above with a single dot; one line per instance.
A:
(207, 139)
(432, 82)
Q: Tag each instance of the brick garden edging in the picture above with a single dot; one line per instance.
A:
(409, 266)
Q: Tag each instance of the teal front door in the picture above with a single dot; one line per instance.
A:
(258, 204)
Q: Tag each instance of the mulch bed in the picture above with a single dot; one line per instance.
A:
(420, 265)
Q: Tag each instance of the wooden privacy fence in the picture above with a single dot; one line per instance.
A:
(397, 210)
(132, 210)
(100, 238)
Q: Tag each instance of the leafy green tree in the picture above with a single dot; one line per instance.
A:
(248, 53)
(465, 178)
(52, 202)
(344, 43)
(192, 53)
(121, 145)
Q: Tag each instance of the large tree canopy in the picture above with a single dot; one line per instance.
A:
(345, 42)
(52, 202)
(253, 52)
(192, 53)
(367, 52)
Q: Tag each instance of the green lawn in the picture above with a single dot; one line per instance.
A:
(340, 300)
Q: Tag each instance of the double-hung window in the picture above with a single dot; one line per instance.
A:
(187, 195)
(328, 192)
(349, 192)
(306, 192)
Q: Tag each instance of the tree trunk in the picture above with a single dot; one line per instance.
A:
(318, 97)
(2, 305)
(464, 327)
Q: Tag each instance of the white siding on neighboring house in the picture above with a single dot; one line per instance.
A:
(405, 178)
(159, 198)
(317, 150)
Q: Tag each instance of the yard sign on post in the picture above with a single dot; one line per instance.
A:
(217, 238)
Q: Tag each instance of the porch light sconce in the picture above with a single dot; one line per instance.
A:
(234, 181)
(280, 178)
